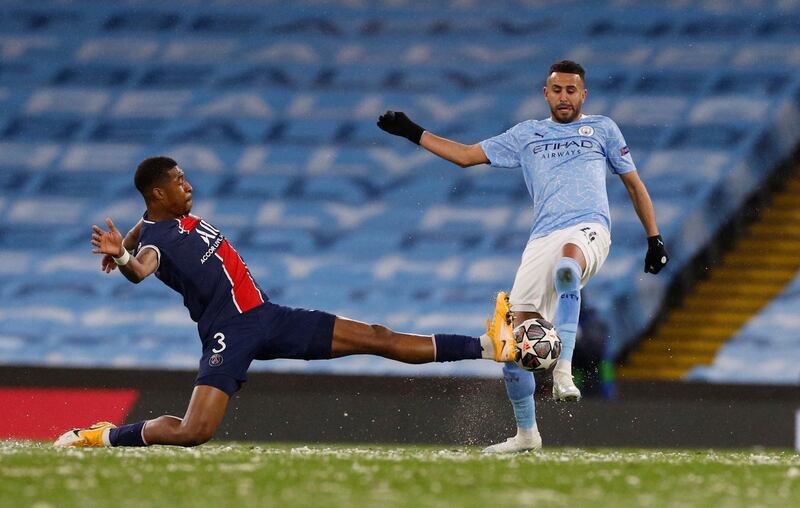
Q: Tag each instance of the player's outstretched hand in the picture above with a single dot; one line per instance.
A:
(397, 123)
(107, 264)
(657, 256)
(107, 242)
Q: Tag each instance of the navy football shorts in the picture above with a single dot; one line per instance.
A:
(266, 332)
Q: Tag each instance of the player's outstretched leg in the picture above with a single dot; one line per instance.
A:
(352, 337)
(567, 279)
(520, 385)
(205, 412)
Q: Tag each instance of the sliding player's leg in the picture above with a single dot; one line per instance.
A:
(203, 416)
(222, 370)
(352, 337)
(316, 335)
(567, 280)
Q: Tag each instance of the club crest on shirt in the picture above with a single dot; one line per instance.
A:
(585, 130)
(215, 360)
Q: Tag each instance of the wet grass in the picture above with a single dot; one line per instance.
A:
(246, 474)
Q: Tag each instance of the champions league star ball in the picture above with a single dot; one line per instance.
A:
(538, 345)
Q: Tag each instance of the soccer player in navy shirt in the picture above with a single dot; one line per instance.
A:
(235, 319)
(564, 159)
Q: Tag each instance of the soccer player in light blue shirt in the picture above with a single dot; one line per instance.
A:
(564, 160)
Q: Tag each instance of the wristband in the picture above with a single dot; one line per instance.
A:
(123, 259)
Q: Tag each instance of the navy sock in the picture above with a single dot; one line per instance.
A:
(450, 348)
(127, 435)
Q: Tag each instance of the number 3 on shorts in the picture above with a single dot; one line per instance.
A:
(221, 340)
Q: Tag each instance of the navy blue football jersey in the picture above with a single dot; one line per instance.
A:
(196, 260)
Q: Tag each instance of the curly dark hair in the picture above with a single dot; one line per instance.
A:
(151, 172)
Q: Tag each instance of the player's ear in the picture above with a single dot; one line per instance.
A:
(158, 193)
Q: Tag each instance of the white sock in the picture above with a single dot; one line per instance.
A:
(487, 346)
(104, 437)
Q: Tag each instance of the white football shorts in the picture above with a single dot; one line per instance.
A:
(534, 288)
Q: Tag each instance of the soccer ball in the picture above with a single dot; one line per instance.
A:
(538, 345)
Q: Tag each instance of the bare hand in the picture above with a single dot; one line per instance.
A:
(107, 242)
(107, 264)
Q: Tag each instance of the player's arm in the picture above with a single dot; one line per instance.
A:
(132, 238)
(657, 256)
(397, 123)
(110, 242)
(107, 264)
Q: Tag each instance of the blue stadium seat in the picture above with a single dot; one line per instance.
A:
(44, 128)
(768, 339)
(92, 75)
(141, 21)
(272, 115)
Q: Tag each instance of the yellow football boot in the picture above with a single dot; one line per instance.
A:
(95, 435)
(500, 332)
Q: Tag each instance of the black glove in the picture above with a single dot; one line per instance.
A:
(657, 255)
(397, 123)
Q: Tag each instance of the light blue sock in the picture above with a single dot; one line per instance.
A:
(519, 387)
(567, 279)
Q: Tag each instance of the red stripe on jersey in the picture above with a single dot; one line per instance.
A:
(188, 223)
(246, 294)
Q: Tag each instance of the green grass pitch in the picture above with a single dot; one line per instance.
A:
(265, 474)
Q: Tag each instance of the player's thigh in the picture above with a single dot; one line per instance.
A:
(519, 317)
(570, 250)
(594, 242)
(533, 284)
(228, 350)
(296, 333)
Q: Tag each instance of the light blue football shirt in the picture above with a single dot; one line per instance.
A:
(564, 166)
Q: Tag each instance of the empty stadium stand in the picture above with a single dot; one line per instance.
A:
(270, 107)
(707, 324)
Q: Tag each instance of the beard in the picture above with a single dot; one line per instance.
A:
(559, 117)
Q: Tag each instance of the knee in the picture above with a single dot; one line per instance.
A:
(195, 435)
(382, 340)
(567, 275)
(380, 331)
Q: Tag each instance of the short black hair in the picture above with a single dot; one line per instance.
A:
(151, 171)
(568, 67)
